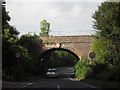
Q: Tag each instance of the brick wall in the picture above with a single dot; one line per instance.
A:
(81, 45)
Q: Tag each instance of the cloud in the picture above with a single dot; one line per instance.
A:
(57, 0)
(63, 16)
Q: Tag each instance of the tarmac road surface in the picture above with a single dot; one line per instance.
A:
(61, 82)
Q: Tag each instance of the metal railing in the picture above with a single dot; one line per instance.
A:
(66, 33)
(71, 33)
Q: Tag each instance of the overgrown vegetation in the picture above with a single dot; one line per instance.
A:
(107, 45)
(18, 68)
(14, 68)
(82, 68)
(58, 59)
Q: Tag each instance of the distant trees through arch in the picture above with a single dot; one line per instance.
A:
(58, 57)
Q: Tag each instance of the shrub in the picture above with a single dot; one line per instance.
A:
(82, 68)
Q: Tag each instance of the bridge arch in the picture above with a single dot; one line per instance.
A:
(55, 49)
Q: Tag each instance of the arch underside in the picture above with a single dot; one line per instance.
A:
(54, 49)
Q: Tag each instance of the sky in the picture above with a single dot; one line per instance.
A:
(66, 17)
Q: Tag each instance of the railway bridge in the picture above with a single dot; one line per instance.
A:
(79, 46)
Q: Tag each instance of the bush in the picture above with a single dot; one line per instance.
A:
(82, 68)
(113, 74)
(102, 71)
(21, 67)
(97, 68)
(107, 44)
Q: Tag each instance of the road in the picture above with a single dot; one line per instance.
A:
(57, 83)
(62, 82)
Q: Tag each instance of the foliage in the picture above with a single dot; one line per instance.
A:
(5, 17)
(45, 28)
(14, 68)
(96, 69)
(82, 68)
(101, 71)
(32, 43)
(106, 52)
(5, 25)
(59, 59)
(12, 65)
(106, 19)
(107, 45)
(108, 26)
(28, 38)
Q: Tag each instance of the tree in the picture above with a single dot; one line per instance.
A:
(107, 20)
(5, 17)
(12, 67)
(107, 46)
(5, 24)
(8, 38)
(45, 28)
(32, 43)
(107, 23)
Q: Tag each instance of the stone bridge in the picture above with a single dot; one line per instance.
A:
(79, 46)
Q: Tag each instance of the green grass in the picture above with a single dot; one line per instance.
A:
(102, 84)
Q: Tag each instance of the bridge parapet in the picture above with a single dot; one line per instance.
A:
(54, 39)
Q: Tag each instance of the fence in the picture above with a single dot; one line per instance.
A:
(71, 33)
(65, 33)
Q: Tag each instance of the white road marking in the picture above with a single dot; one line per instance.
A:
(26, 85)
(58, 87)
